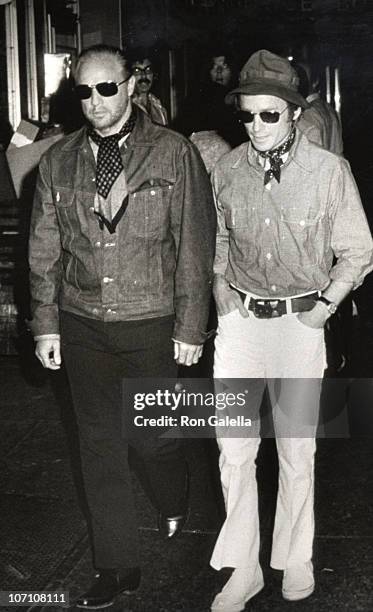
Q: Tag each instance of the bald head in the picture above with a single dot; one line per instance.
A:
(99, 52)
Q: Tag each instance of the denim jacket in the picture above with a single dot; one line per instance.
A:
(159, 260)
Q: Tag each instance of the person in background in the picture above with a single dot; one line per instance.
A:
(142, 67)
(321, 124)
(320, 121)
(205, 109)
(292, 242)
(221, 70)
(121, 248)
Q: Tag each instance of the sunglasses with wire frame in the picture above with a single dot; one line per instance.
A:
(265, 116)
(105, 89)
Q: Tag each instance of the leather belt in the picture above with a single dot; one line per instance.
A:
(269, 309)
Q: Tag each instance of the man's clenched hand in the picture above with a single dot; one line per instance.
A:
(187, 354)
(48, 352)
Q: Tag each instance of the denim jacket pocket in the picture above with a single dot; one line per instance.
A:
(153, 183)
(64, 201)
(148, 210)
(63, 197)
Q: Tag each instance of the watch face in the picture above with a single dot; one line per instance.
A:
(330, 305)
(332, 308)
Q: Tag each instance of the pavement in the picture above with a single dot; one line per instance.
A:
(43, 536)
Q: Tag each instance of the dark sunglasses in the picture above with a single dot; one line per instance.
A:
(265, 116)
(105, 89)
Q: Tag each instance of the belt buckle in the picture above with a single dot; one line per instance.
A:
(266, 309)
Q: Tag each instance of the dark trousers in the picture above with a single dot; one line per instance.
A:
(98, 356)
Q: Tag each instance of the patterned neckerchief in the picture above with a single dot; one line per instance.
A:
(109, 160)
(276, 158)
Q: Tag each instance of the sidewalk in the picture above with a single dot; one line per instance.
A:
(44, 543)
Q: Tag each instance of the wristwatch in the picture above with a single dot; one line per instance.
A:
(331, 306)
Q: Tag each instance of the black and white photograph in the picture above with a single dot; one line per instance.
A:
(186, 305)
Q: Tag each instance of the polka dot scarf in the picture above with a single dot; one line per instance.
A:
(109, 160)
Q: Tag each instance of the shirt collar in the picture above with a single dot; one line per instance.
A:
(94, 146)
(299, 153)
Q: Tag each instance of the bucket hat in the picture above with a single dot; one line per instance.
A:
(268, 74)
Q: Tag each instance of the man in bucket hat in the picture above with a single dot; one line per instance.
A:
(287, 210)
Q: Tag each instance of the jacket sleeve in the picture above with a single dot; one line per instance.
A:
(193, 226)
(44, 256)
(312, 131)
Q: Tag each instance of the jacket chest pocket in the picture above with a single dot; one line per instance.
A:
(64, 201)
(74, 212)
(148, 211)
(63, 197)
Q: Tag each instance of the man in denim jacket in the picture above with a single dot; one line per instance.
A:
(292, 242)
(121, 249)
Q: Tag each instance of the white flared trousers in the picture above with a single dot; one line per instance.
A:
(290, 358)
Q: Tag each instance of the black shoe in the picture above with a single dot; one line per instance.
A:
(107, 586)
(170, 526)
